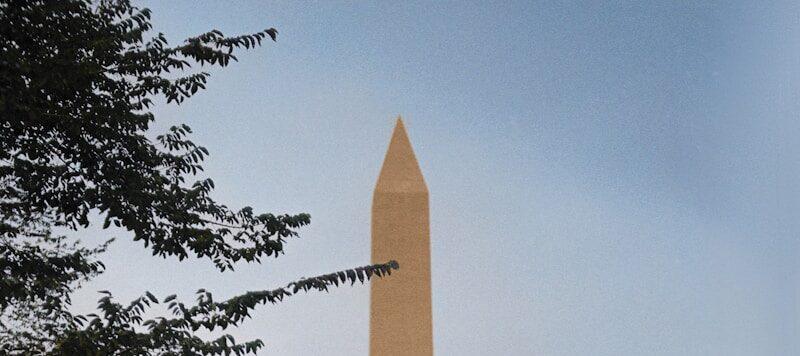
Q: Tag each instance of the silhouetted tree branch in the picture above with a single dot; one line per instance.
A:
(77, 80)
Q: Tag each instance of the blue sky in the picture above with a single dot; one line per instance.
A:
(605, 179)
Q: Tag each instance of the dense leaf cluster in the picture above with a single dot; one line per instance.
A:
(77, 79)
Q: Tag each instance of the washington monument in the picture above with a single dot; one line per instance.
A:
(400, 307)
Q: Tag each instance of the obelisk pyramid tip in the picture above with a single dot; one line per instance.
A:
(400, 171)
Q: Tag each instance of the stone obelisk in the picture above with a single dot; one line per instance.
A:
(400, 306)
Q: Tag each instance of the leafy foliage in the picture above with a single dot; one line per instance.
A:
(115, 330)
(77, 80)
(37, 279)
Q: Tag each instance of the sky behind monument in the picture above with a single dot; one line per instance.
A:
(604, 179)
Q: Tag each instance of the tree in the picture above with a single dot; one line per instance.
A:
(77, 80)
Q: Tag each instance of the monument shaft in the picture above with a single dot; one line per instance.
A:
(400, 306)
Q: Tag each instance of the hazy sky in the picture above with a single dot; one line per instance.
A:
(618, 179)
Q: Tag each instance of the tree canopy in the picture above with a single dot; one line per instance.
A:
(77, 81)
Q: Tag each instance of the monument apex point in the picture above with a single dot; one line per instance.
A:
(400, 171)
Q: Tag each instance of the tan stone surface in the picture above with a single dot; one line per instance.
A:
(400, 306)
